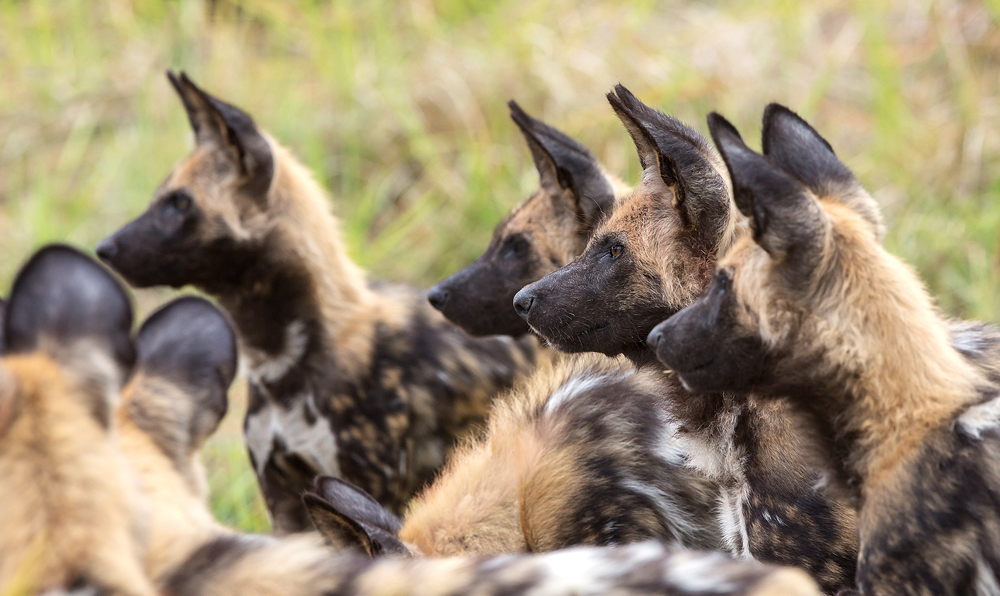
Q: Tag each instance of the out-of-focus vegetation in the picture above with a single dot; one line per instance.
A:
(399, 109)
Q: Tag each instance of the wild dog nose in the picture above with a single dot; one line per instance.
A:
(438, 297)
(523, 302)
(107, 249)
(654, 337)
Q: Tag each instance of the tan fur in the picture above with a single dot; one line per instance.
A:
(68, 507)
(178, 517)
(908, 376)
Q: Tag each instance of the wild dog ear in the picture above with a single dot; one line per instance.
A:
(61, 297)
(230, 130)
(191, 343)
(682, 159)
(566, 165)
(796, 146)
(349, 517)
(787, 220)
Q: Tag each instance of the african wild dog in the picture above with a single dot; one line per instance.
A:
(812, 307)
(582, 454)
(71, 502)
(70, 515)
(653, 255)
(360, 381)
(546, 231)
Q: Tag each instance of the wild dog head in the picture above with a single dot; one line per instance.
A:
(186, 363)
(348, 517)
(205, 219)
(764, 309)
(71, 518)
(652, 256)
(543, 233)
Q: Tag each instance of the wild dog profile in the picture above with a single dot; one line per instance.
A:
(356, 380)
(593, 423)
(70, 515)
(653, 255)
(546, 231)
(811, 306)
(581, 454)
(70, 503)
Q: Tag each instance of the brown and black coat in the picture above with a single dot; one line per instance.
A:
(653, 255)
(812, 308)
(98, 497)
(347, 378)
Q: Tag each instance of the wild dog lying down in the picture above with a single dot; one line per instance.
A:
(812, 307)
(652, 256)
(364, 382)
(543, 233)
(581, 454)
(71, 500)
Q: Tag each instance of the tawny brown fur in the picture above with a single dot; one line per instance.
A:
(70, 509)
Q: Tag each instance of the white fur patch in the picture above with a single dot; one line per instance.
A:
(986, 580)
(699, 572)
(268, 368)
(315, 443)
(667, 506)
(732, 521)
(981, 418)
(570, 389)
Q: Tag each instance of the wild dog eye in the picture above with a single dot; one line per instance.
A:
(616, 251)
(180, 201)
(520, 246)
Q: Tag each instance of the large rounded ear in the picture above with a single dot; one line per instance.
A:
(229, 130)
(60, 298)
(190, 343)
(794, 145)
(348, 517)
(787, 221)
(683, 161)
(566, 165)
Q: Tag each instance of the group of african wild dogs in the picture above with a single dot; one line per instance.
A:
(817, 413)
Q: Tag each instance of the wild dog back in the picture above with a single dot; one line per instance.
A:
(582, 454)
(356, 380)
(543, 233)
(70, 515)
(813, 308)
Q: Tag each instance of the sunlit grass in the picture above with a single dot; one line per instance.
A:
(399, 109)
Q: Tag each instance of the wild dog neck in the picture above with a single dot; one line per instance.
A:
(301, 294)
(884, 373)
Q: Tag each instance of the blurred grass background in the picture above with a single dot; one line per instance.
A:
(399, 109)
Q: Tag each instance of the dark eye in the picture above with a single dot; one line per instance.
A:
(181, 201)
(520, 246)
(616, 251)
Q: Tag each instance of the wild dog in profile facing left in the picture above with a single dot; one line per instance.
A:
(543, 233)
(812, 307)
(653, 255)
(359, 381)
(70, 515)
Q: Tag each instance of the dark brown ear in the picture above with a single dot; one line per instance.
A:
(65, 305)
(229, 130)
(348, 517)
(190, 343)
(566, 165)
(682, 159)
(787, 221)
(790, 142)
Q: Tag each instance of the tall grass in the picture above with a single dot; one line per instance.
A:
(399, 109)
